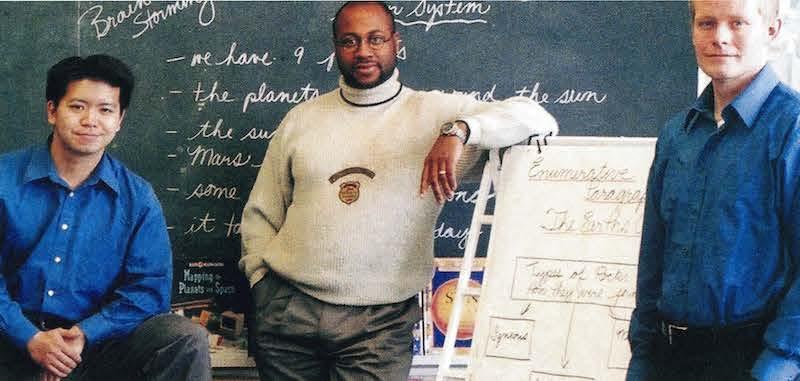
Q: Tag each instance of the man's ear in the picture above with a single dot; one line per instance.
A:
(397, 41)
(50, 109)
(775, 28)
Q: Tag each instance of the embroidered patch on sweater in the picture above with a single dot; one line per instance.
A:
(349, 191)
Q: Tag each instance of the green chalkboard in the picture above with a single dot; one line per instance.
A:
(215, 79)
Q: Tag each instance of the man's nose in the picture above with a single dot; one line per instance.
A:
(722, 34)
(363, 49)
(89, 117)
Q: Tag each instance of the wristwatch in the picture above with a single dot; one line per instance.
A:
(452, 129)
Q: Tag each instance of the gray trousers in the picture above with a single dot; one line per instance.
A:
(302, 338)
(163, 348)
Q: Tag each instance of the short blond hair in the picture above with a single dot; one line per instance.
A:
(770, 9)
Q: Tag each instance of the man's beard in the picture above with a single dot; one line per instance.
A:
(351, 81)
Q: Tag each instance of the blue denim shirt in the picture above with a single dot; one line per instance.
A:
(721, 235)
(99, 255)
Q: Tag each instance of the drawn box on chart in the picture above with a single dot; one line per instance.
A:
(510, 338)
(579, 282)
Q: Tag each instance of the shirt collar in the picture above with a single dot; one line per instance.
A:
(373, 96)
(746, 104)
(749, 102)
(105, 173)
(42, 166)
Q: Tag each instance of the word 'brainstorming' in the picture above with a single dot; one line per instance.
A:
(145, 14)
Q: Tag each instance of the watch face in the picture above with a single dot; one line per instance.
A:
(448, 128)
(451, 129)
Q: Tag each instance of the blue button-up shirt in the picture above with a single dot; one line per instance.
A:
(721, 236)
(98, 255)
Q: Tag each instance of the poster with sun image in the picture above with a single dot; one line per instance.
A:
(439, 298)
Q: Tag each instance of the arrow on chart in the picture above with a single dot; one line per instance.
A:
(564, 359)
(527, 308)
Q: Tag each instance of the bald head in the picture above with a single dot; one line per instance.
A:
(352, 4)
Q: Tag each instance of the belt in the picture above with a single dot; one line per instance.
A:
(676, 334)
(46, 322)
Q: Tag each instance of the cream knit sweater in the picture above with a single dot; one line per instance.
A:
(335, 208)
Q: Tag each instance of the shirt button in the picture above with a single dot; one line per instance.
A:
(64, 226)
(684, 251)
(57, 259)
(71, 194)
(50, 292)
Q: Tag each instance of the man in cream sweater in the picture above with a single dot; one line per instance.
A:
(337, 236)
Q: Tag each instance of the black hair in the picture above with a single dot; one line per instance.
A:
(381, 3)
(98, 67)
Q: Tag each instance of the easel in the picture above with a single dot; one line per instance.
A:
(517, 326)
(489, 178)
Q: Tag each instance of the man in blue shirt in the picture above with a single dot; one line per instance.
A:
(718, 296)
(85, 260)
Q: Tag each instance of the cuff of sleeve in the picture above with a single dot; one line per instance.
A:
(22, 333)
(474, 130)
(257, 276)
(94, 329)
(773, 366)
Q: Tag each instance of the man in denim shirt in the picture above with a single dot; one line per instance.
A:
(85, 261)
(718, 296)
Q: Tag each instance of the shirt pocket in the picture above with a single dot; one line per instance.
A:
(747, 200)
(99, 265)
(673, 187)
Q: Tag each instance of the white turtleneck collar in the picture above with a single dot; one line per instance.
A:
(371, 97)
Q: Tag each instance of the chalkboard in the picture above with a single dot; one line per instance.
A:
(215, 79)
(560, 278)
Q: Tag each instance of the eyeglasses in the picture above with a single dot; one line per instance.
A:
(351, 43)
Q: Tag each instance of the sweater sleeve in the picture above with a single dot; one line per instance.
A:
(507, 122)
(265, 210)
(500, 124)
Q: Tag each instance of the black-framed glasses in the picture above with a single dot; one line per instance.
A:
(351, 43)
